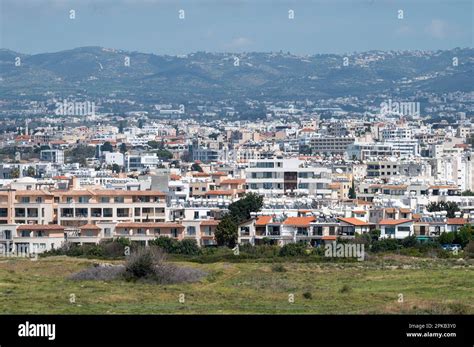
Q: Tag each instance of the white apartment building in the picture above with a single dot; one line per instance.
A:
(364, 151)
(278, 177)
(331, 144)
(55, 156)
(396, 133)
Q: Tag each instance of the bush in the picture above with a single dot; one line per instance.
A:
(260, 251)
(411, 252)
(142, 263)
(307, 295)
(293, 249)
(99, 273)
(385, 245)
(113, 249)
(168, 244)
(469, 249)
(409, 241)
(446, 238)
(93, 251)
(189, 247)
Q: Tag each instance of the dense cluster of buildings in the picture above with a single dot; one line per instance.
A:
(321, 179)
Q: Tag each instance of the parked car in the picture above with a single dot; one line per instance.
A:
(451, 247)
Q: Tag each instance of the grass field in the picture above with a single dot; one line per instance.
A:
(427, 285)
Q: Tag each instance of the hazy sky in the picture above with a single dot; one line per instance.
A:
(153, 26)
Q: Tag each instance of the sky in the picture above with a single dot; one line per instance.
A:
(154, 26)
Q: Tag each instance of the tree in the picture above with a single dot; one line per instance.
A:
(464, 235)
(196, 167)
(30, 172)
(352, 192)
(446, 238)
(80, 153)
(467, 193)
(226, 232)
(123, 148)
(107, 147)
(121, 126)
(154, 144)
(116, 168)
(449, 206)
(375, 234)
(164, 154)
(15, 173)
(240, 210)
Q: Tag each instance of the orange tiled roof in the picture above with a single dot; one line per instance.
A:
(219, 192)
(442, 187)
(210, 222)
(394, 221)
(149, 225)
(299, 221)
(354, 221)
(457, 221)
(89, 227)
(263, 220)
(329, 237)
(40, 227)
(234, 181)
(360, 211)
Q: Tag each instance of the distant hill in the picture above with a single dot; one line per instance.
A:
(97, 71)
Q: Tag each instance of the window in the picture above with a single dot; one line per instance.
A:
(404, 229)
(191, 230)
(196, 214)
(25, 200)
(104, 199)
(157, 231)
(39, 200)
(119, 199)
(244, 231)
(83, 199)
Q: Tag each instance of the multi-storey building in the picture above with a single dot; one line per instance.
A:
(331, 144)
(278, 177)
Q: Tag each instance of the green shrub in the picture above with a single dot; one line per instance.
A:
(385, 245)
(168, 244)
(446, 238)
(409, 241)
(469, 249)
(260, 251)
(411, 252)
(93, 251)
(293, 249)
(188, 247)
(307, 295)
(142, 263)
(113, 249)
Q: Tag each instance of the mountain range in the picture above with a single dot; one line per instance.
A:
(201, 76)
